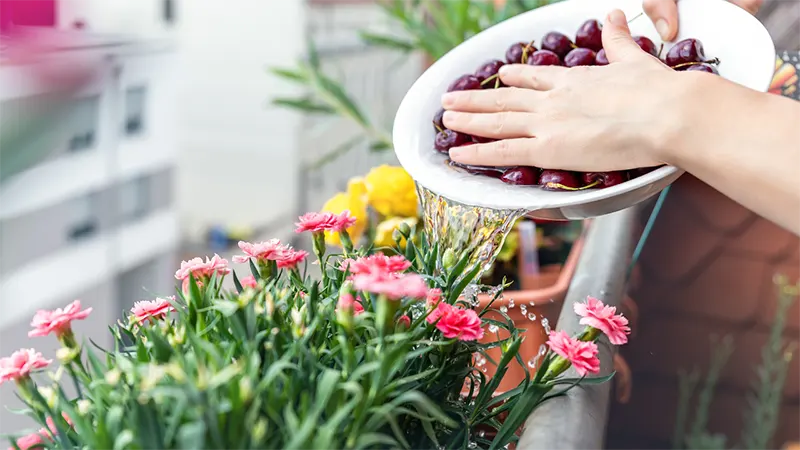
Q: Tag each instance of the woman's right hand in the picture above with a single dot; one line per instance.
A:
(664, 14)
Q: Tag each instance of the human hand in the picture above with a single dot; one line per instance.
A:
(601, 118)
(664, 14)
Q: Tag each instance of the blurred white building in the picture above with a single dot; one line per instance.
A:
(87, 189)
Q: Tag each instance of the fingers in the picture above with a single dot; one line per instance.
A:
(501, 125)
(664, 14)
(540, 78)
(491, 100)
(510, 152)
(617, 40)
(751, 6)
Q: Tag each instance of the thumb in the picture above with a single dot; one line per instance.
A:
(617, 40)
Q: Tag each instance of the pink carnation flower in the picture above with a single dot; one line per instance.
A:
(605, 318)
(29, 441)
(51, 429)
(404, 321)
(202, 269)
(582, 355)
(289, 258)
(20, 364)
(58, 320)
(376, 263)
(457, 322)
(434, 297)
(152, 309)
(317, 222)
(346, 301)
(249, 281)
(393, 286)
(260, 251)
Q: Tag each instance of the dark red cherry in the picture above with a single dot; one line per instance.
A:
(702, 67)
(686, 51)
(525, 176)
(447, 139)
(600, 59)
(557, 43)
(519, 52)
(482, 140)
(494, 172)
(646, 44)
(604, 179)
(438, 120)
(489, 69)
(590, 35)
(544, 58)
(580, 57)
(641, 171)
(465, 83)
(559, 180)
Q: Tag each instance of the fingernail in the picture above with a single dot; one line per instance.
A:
(663, 28)
(617, 18)
(504, 70)
(448, 98)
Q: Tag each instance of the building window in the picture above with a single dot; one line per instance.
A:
(83, 124)
(169, 11)
(83, 223)
(134, 199)
(134, 110)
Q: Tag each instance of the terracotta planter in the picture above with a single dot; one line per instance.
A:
(544, 300)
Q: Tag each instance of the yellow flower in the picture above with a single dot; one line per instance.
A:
(391, 191)
(354, 200)
(384, 231)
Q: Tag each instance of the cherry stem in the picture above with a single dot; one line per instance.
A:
(488, 79)
(660, 49)
(694, 63)
(497, 83)
(560, 186)
(636, 17)
(437, 127)
(525, 52)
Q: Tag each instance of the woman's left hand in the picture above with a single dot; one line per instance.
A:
(614, 117)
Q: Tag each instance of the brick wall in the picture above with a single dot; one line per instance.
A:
(707, 269)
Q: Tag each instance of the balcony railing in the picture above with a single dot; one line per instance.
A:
(578, 420)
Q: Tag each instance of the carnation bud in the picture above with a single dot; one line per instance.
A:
(403, 323)
(83, 406)
(245, 389)
(404, 229)
(259, 430)
(49, 395)
(67, 354)
(449, 259)
(113, 376)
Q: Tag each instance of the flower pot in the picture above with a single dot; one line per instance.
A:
(543, 301)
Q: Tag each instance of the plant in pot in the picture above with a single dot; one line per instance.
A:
(380, 352)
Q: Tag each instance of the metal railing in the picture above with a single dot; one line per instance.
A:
(578, 420)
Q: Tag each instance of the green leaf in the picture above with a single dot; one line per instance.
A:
(226, 307)
(386, 41)
(373, 440)
(303, 104)
(583, 380)
(192, 436)
(523, 407)
(291, 75)
(124, 440)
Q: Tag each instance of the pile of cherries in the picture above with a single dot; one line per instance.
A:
(558, 50)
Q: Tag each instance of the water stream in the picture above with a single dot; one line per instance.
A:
(461, 228)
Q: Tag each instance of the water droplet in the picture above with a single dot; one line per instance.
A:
(532, 363)
(481, 433)
(511, 303)
(483, 370)
(551, 300)
(542, 349)
(472, 445)
(532, 304)
(546, 325)
(523, 310)
(493, 328)
(531, 317)
(503, 309)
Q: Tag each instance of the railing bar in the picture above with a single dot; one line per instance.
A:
(578, 420)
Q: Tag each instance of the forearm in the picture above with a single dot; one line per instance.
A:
(745, 144)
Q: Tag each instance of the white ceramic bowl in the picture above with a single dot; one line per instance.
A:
(726, 31)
